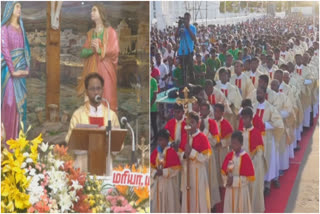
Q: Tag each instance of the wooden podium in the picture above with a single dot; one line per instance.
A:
(95, 141)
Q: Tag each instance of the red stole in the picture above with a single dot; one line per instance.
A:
(238, 83)
(213, 128)
(259, 113)
(171, 127)
(266, 96)
(246, 166)
(255, 141)
(225, 129)
(253, 78)
(270, 74)
(96, 121)
(299, 71)
(171, 158)
(256, 122)
(200, 143)
(212, 99)
(225, 91)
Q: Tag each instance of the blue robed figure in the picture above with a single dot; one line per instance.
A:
(15, 64)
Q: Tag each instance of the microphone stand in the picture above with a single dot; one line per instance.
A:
(124, 121)
(108, 133)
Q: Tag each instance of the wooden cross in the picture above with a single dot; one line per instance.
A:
(143, 149)
(187, 104)
(53, 58)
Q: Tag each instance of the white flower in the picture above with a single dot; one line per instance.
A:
(23, 165)
(73, 195)
(51, 147)
(29, 160)
(65, 202)
(76, 185)
(58, 163)
(26, 154)
(32, 172)
(44, 147)
(35, 190)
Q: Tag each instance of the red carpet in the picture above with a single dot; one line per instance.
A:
(277, 201)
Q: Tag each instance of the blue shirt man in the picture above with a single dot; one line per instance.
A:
(187, 37)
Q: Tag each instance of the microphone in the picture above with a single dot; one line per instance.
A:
(98, 98)
(124, 121)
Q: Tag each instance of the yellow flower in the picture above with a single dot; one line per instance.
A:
(91, 202)
(22, 201)
(37, 140)
(142, 193)
(94, 210)
(17, 144)
(7, 208)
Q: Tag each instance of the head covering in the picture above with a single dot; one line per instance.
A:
(6, 17)
(155, 72)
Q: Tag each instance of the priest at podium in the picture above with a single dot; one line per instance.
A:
(92, 112)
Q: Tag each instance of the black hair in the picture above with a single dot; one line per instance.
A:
(255, 59)
(177, 106)
(238, 61)
(219, 106)
(238, 136)
(246, 103)
(222, 70)
(193, 115)
(163, 133)
(247, 111)
(205, 104)
(187, 14)
(265, 78)
(279, 71)
(209, 82)
(92, 76)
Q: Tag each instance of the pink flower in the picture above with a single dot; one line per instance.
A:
(31, 210)
(110, 191)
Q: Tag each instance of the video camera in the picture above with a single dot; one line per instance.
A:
(181, 24)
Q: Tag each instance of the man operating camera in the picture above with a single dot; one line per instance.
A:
(187, 34)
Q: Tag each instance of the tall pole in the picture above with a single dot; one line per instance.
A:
(186, 102)
(207, 13)
(53, 63)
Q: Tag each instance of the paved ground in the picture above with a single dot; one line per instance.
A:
(304, 197)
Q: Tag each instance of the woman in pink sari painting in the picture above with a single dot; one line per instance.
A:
(101, 51)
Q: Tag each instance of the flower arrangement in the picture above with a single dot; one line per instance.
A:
(14, 181)
(123, 198)
(38, 178)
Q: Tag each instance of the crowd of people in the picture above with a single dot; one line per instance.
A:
(255, 87)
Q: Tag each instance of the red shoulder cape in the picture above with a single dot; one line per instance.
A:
(213, 127)
(225, 129)
(255, 141)
(200, 143)
(171, 158)
(171, 127)
(246, 168)
(256, 122)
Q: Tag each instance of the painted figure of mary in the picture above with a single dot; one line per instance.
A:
(100, 53)
(15, 64)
